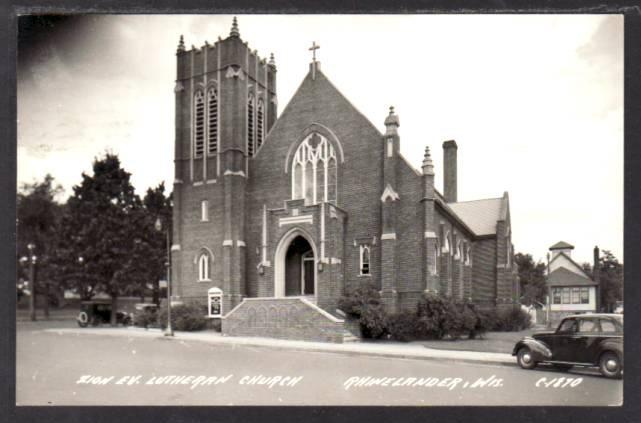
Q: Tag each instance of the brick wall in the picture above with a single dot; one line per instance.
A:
(283, 318)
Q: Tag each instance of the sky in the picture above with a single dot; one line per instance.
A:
(534, 102)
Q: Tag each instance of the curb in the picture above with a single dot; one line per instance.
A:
(256, 342)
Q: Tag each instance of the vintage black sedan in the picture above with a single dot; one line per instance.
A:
(592, 340)
(96, 312)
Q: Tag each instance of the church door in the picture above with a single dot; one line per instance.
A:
(299, 268)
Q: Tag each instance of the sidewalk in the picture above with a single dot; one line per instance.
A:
(378, 349)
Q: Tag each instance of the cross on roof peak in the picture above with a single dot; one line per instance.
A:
(313, 49)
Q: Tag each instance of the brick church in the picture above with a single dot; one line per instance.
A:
(275, 218)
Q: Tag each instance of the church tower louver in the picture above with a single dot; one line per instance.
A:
(225, 105)
(276, 219)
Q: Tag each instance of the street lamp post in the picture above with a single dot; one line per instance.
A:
(32, 280)
(158, 226)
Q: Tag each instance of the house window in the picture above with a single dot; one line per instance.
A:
(204, 211)
(556, 296)
(214, 302)
(585, 295)
(365, 260)
(250, 125)
(468, 255)
(260, 123)
(314, 171)
(204, 262)
(390, 147)
(565, 296)
(212, 121)
(575, 296)
(199, 124)
(509, 254)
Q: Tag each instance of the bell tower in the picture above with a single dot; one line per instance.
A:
(225, 105)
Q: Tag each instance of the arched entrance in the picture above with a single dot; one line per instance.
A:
(295, 266)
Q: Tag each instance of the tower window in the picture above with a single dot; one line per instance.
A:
(314, 176)
(204, 264)
(260, 127)
(364, 254)
(199, 124)
(212, 117)
(204, 211)
(250, 126)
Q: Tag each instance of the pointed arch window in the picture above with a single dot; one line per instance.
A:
(199, 124)
(212, 121)
(314, 171)
(260, 123)
(250, 126)
(204, 266)
(365, 260)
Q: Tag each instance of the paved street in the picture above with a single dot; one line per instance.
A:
(88, 369)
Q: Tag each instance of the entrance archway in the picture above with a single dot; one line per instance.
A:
(295, 266)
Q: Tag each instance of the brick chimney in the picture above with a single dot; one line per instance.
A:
(449, 170)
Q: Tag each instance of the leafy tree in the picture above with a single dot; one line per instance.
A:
(149, 254)
(532, 278)
(98, 227)
(611, 280)
(38, 215)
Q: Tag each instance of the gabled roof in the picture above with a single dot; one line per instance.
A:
(562, 245)
(576, 265)
(481, 215)
(565, 277)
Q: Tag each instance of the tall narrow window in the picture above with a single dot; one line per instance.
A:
(203, 266)
(250, 126)
(260, 126)
(204, 211)
(199, 124)
(364, 259)
(212, 121)
(314, 170)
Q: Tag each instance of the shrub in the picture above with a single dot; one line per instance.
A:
(185, 317)
(145, 318)
(404, 326)
(512, 320)
(486, 320)
(364, 303)
(431, 312)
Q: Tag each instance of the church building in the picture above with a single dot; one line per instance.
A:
(277, 217)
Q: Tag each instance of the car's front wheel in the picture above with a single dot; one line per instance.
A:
(83, 319)
(610, 365)
(525, 358)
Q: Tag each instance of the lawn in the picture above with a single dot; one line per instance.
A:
(497, 342)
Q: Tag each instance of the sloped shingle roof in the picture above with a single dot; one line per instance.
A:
(565, 277)
(480, 215)
(561, 245)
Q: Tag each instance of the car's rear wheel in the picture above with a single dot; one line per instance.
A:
(525, 358)
(610, 365)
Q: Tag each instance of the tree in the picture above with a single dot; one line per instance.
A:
(532, 279)
(38, 215)
(611, 280)
(97, 227)
(149, 255)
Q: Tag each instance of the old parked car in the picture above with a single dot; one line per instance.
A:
(96, 312)
(591, 340)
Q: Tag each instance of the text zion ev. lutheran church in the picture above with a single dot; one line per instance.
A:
(276, 219)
